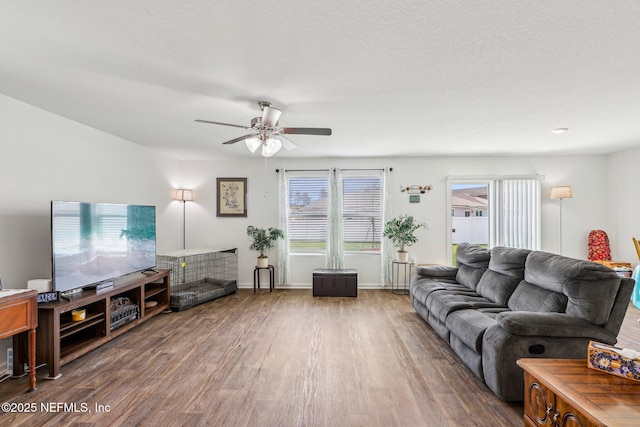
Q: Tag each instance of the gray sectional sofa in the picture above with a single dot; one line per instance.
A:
(503, 304)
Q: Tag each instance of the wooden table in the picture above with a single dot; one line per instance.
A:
(18, 314)
(566, 393)
(614, 264)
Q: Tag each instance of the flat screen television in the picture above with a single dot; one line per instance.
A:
(98, 242)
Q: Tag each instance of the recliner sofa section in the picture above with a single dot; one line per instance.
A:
(497, 306)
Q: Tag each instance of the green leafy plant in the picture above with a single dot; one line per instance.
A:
(263, 240)
(401, 230)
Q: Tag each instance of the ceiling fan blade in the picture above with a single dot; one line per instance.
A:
(224, 124)
(240, 138)
(270, 116)
(287, 144)
(307, 131)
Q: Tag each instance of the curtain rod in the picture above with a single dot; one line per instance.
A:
(327, 170)
(492, 177)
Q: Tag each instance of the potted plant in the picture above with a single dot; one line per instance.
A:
(401, 230)
(262, 241)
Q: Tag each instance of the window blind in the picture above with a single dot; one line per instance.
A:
(308, 214)
(308, 220)
(362, 213)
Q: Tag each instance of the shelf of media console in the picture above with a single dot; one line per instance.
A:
(69, 328)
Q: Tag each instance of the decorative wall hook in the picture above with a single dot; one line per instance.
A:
(416, 189)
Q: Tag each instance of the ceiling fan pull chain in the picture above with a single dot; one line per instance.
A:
(266, 178)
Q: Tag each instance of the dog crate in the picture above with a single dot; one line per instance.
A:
(200, 275)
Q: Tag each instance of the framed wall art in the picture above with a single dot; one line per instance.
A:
(232, 197)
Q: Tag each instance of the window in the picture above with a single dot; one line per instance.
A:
(362, 213)
(308, 214)
(309, 205)
(506, 210)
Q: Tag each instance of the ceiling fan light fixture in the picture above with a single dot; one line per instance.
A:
(252, 144)
(265, 128)
(270, 147)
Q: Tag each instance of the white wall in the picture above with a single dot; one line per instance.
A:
(624, 204)
(586, 211)
(45, 157)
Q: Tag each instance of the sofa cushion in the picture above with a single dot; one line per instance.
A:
(472, 261)
(469, 327)
(528, 297)
(437, 272)
(591, 288)
(471, 358)
(441, 304)
(422, 288)
(506, 270)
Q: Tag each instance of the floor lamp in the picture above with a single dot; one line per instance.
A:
(563, 192)
(184, 196)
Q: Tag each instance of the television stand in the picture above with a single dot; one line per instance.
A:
(61, 340)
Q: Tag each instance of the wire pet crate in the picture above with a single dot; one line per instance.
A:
(200, 275)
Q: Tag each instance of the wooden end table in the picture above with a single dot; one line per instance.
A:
(19, 314)
(566, 393)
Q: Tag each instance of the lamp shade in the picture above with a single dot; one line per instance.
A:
(183, 195)
(270, 116)
(563, 192)
(271, 147)
(252, 143)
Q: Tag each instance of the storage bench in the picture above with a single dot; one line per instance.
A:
(335, 283)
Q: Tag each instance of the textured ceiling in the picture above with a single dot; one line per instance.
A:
(391, 78)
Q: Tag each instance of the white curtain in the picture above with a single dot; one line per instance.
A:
(283, 223)
(386, 251)
(516, 213)
(335, 244)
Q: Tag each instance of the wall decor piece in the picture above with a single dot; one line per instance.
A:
(416, 189)
(232, 197)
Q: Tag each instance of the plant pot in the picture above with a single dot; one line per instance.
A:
(402, 256)
(263, 262)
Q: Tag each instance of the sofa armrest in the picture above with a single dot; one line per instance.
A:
(437, 272)
(527, 323)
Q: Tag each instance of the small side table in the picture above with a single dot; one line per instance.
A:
(256, 277)
(396, 276)
(19, 314)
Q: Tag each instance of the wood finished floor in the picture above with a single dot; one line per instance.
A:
(276, 359)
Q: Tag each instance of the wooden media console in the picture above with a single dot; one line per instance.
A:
(60, 339)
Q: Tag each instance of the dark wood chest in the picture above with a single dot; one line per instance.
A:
(335, 283)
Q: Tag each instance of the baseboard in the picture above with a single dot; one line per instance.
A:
(309, 286)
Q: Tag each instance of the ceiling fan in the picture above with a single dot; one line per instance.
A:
(267, 133)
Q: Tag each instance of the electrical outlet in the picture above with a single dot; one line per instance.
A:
(10, 359)
(427, 225)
